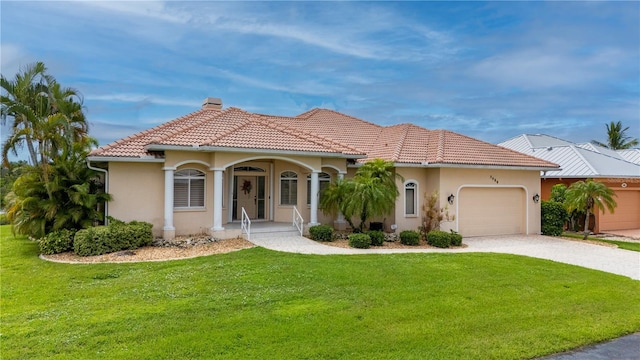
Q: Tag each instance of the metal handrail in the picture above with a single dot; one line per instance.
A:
(298, 221)
(245, 224)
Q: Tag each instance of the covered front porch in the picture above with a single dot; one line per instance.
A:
(268, 190)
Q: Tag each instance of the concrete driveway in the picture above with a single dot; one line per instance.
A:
(613, 260)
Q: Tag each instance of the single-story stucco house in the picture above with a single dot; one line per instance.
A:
(198, 172)
(616, 169)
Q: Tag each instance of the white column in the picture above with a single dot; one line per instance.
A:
(230, 184)
(217, 200)
(315, 185)
(340, 223)
(272, 181)
(168, 229)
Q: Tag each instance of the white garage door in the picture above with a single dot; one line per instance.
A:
(491, 211)
(627, 213)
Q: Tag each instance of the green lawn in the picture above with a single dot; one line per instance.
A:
(626, 245)
(260, 304)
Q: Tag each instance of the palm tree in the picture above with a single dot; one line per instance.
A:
(25, 100)
(46, 116)
(584, 195)
(617, 140)
(371, 192)
(68, 199)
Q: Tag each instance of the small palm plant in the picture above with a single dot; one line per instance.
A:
(584, 195)
(370, 193)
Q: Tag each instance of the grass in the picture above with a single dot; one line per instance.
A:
(626, 245)
(257, 303)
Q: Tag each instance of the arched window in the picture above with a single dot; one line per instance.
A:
(288, 188)
(410, 198)
(324, 180)
(188, 188)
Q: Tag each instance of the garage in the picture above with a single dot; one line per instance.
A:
(626, 215)
(491, 211)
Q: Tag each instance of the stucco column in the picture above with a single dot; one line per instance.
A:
(230, 185)
(217, 200)
(315, 185)
(168, 231)
(340, 223)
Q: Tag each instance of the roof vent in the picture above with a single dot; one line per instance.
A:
(549, 148)
(212, 103)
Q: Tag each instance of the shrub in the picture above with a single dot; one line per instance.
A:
(409, 237)
(57, 242)
(115, 237)
(439, 238)
(91, 241)
(377, 237)
(553, 215)
(3, 219)
(456, 239)
(130, 236)
(321, 233)
(360, 241)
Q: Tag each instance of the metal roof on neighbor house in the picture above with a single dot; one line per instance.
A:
(575, 160)
(631, 155)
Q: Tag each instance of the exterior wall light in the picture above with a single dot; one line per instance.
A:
(450, 199)
(536, 198)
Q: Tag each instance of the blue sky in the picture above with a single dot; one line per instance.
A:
(490, 70)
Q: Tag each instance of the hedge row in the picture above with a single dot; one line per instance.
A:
(117, 236)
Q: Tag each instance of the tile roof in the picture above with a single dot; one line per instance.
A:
(317, 131)
(575, 160)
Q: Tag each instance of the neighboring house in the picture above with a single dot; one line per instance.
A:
(619, 170)
(196, 173)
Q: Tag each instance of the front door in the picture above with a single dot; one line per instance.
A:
(249, 193)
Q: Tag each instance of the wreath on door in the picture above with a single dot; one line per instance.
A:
(246, 187)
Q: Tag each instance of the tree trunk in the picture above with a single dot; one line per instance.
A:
(32, 152)
(586, 225)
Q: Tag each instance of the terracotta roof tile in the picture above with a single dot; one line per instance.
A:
(319, 130)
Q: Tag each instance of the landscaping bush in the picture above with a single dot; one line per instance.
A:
(130, 236)
(57, 242)
(321, 233)
(115, 237)
(439, 238)
(377, 237)
(3, 219)
(410, 237)
(456, 239)
(360, 241)
(553, 215)
(91, 241)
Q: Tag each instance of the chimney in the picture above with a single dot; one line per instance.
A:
(212, 103)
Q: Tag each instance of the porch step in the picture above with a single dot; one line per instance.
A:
(274, 232)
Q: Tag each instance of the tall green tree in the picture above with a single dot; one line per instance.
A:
(46, 117)
(68, 199)
(56, 190)
(585, 195)
(372, 192)
(616, 137)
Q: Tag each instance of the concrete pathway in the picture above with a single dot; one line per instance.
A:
(616, 261)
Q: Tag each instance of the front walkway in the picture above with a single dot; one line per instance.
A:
(612, 260)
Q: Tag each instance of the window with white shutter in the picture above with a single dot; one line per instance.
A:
(188, 188)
